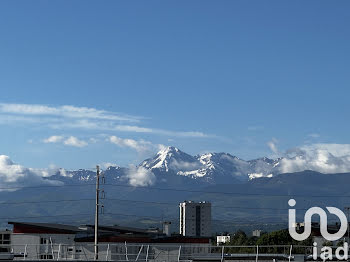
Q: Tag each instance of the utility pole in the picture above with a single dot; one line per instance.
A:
(97, 210)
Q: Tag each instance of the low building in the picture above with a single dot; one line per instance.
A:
(256, 233)
(223, 239)
(5, 245)
(43, 240)
(64, 242)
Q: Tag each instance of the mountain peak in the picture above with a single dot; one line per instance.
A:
(168, 150)
(166, 158)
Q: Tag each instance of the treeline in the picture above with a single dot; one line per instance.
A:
(278, 242)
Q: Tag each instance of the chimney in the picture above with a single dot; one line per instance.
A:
(166, 228)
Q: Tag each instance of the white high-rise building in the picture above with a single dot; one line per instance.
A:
(195, 219)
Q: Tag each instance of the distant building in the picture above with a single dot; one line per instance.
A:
(195, 219)
(256, 233)
(166, 228)
(220, 240)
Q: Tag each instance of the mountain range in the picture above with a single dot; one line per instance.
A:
(205, 169)
(244, 194)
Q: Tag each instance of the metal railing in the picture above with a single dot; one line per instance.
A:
(124, 252)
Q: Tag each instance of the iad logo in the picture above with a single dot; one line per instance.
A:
(326, 251)
(323, 222)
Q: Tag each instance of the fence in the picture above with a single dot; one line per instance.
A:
(156, 252)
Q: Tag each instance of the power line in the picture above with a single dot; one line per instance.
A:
(46, 201)
(158, 218)
(143, 202)
(177, 190)
(46, 186)
(41, 216)
(213, 205)
(128, 215)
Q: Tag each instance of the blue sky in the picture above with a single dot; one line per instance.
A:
(242, 77)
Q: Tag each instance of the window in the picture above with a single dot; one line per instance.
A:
(5, 239)
(4, 250)
(43, 241)
(46, 256)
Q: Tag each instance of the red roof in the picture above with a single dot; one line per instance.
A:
(43, 228)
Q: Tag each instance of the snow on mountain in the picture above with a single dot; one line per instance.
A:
(112, 173)
(170, 158)
(263, 167)
(212, 168)
(223, 164)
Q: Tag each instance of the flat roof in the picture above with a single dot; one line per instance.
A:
(48, 226)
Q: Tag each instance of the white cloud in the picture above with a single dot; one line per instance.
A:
(110, 126)
(273, 145)
(93, 140)
(107, 165)
(53, 139)
(138, 145)
(324, 158)
(140, 176)
(314, 135)
(64, 111)
(14, 175)
(136, 129)
(68, 116)
(258, 175)
(68, 141)
(73, 141)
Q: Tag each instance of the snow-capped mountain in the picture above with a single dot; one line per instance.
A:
(263, 167)
(171, 165)
(114, 173)
(170, 158)
(177, 176)
(210, 167)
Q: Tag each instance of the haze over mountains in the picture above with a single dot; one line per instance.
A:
(249, 194)
(171, 165)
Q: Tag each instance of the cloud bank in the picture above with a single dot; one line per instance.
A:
(140, 176)
(324, 158)
(14, 175)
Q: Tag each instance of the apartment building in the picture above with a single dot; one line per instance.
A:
(195, 219)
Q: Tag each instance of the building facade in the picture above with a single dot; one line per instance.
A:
(44, 241)
(195, 219)
(256, 233)
(5, 245)
(220, 240)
